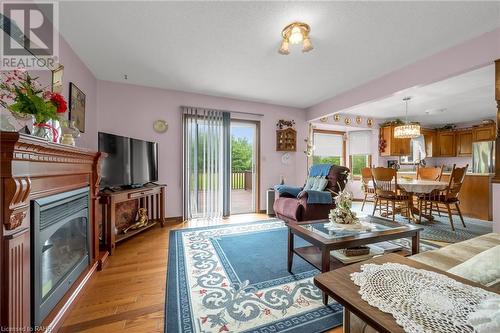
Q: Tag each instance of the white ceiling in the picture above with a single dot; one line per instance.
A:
(230, 48)
(464, 98)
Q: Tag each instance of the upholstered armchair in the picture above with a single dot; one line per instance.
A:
(293, 209)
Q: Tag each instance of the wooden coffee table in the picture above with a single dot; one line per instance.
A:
(324, 241)
(339, 286)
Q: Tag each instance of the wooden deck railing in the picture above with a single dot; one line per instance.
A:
(241, 180)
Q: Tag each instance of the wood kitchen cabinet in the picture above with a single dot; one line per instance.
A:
(394, 146)
(464, 143)
(484, 133)
(446, 143)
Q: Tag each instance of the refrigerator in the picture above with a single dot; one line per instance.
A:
(483, 157)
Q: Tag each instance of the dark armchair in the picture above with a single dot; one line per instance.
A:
(294, 209)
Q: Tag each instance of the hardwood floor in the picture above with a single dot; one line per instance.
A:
(128, 295)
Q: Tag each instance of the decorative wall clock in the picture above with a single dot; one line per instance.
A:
(358, 120)
(324, 119)
(369, 122)
(336, 117)
(160, 126)
(286, 158)
(347, 121)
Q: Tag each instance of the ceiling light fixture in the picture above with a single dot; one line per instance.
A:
(407, 130)
(295, 33)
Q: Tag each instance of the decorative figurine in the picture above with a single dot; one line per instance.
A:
(142, 220)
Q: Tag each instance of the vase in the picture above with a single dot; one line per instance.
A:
(50, 130)
(69, 132)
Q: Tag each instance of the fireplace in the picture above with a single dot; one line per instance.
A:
(60, 247)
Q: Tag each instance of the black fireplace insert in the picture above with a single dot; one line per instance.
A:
(60, 247)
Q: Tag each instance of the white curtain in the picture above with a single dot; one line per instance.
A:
(360, 142)
(205, 158)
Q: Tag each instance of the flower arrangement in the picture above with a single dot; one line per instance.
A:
(342, 214)
(22, 94)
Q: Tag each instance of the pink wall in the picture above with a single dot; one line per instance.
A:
(77, 72)
(472, 54)
(130, 110)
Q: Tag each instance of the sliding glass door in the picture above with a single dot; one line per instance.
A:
(244, 150)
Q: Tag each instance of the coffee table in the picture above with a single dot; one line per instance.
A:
(323, 241)
(339, 286)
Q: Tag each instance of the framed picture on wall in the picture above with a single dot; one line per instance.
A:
(57, 79)
(77, 107)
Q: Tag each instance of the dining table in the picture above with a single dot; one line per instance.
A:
(420, 187)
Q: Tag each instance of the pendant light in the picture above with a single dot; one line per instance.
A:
(407, 130)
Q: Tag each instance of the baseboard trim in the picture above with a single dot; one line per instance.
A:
(174, 219)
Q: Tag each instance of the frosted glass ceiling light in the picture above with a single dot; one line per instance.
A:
(295, 33)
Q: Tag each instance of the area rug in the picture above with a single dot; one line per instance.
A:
(234, 278)
(440, 229)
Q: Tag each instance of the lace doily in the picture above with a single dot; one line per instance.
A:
(420, 301)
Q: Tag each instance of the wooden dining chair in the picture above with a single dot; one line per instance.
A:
(449, 197)
(430, 173)
(385, 182)
(427, 173)
(367, 185)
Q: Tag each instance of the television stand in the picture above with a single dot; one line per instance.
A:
(152, 198)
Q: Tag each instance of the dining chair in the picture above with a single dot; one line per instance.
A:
(449, 196)
(427, 173)
(385, 182)
(430, 173)
(367, 185)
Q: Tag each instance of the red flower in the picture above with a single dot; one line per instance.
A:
(59, 102)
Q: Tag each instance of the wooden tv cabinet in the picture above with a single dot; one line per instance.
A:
(151, 197)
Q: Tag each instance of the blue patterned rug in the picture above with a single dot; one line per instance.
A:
(233, 278)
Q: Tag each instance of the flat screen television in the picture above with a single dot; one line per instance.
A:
(130, 162)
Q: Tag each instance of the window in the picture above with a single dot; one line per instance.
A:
(359, 162)
(329, 147)
(360, 157)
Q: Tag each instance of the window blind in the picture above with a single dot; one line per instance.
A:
(328, 144)
(360, 142)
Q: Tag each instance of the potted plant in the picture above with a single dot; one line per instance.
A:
(23, 96)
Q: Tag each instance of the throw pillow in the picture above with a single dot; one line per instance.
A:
(309, 183)
(320, 184)
(483, 268)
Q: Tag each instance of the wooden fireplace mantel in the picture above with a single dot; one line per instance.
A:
(32, 168)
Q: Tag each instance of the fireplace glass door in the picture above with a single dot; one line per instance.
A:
(62, 251)
(60, 247)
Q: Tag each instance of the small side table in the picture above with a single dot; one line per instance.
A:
(270, 196)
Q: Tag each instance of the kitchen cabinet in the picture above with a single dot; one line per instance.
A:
(464, 143)
(393, 146)
(484, 133)
(446, 143)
